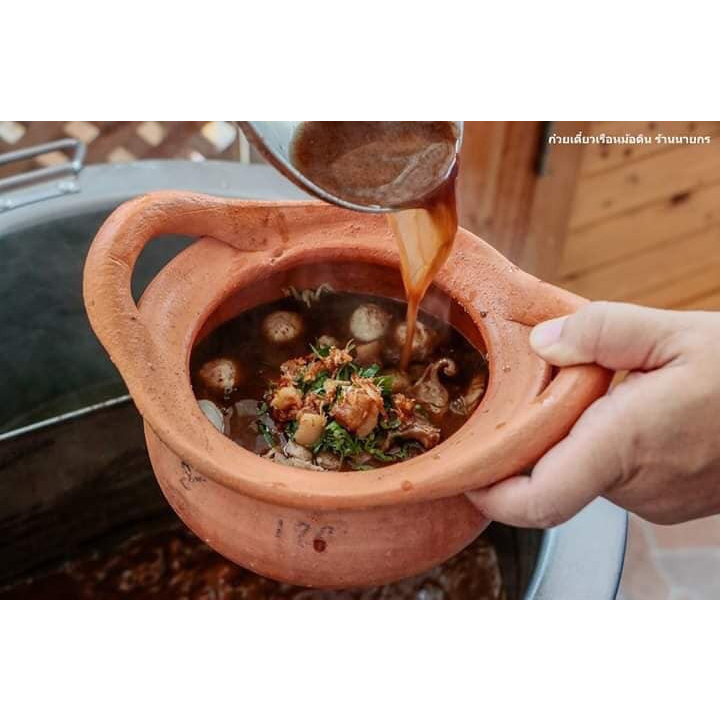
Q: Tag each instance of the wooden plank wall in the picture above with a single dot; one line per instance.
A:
(645, 220)
(506, 200)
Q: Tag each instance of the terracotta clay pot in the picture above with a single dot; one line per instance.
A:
(321, 529)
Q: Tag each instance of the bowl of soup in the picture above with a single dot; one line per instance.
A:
(282, 425)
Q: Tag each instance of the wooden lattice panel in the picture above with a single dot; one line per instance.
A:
(109, 141)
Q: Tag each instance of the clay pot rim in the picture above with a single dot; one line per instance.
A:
(292, 260)
(544, 418)
(408, 481)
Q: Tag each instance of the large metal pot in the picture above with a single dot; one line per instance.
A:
(67, 430)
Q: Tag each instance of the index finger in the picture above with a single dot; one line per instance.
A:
(573, 473)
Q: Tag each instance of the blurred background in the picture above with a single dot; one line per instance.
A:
(635, 222)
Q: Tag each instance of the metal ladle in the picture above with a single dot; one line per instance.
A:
(273, 139)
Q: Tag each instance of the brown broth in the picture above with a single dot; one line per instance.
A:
(425, 238)
(409, 165)
(385, 164)
(242, 340)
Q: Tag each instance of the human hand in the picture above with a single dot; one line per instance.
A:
(652, 444)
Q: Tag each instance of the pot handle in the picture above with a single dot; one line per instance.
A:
(253, 226)
(574, 387)
(549, 416)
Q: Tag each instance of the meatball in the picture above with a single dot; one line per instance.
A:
(220, 376)
(369, 322)
(423, 342)
(282, 326)
(327, 341)
(368, 353)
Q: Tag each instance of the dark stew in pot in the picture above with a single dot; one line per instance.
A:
(313, 381)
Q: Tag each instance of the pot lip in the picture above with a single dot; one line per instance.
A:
(502, 300)
(402, 481)
(489, 339)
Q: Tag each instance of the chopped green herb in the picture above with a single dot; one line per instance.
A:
(290, 428)
(361, 453)
(390, 424)
(316, 385)
(346, 372)
(320, 352)
(265, 431)
(385, 383)
(380, 455)
(368, 372)
(338, 440)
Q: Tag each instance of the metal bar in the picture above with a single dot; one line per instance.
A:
(74, 166)
(65, 416)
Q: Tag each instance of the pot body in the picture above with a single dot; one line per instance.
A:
(322, 548)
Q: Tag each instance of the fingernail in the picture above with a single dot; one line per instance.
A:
(546, 334)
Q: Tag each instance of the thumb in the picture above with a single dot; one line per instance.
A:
(618, 336)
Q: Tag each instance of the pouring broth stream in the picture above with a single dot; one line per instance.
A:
(408, 165)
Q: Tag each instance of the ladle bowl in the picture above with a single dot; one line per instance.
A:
(273, 139)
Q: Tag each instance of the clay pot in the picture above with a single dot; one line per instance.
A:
(321, 529)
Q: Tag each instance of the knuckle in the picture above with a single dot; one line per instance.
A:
(596, 329)
(588, 327)
(597, 310)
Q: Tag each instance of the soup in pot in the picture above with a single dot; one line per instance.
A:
(315, 381)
